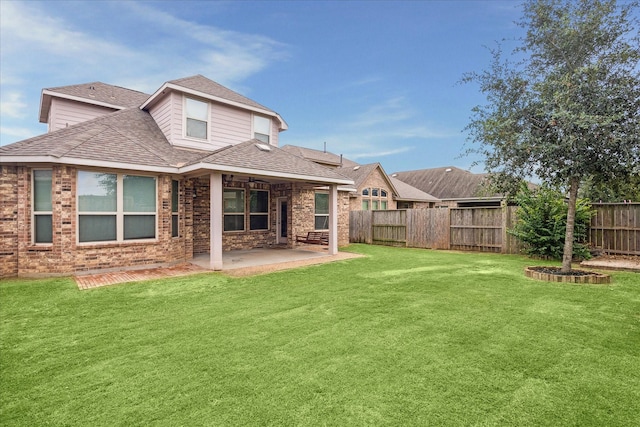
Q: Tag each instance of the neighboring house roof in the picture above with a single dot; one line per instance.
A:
(131, 139)
(401, 191)
(201, 86)
(407, 192)
(360, 173)
(323, 157)
(447, 182)
(96, 93)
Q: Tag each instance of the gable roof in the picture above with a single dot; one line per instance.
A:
(360, 173)
(407, 192)
(446, 182)
(203, 87)
(131, 139)
(124, 139)
(96, 93)
(323, 157)
(401, 190)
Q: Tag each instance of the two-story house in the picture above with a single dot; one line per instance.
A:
(124, 179)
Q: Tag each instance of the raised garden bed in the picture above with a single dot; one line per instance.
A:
(554, 274)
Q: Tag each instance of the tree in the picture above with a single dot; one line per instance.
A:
(566, 108)
(541, 223)
(618, 190)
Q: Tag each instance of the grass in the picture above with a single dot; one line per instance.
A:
(401, 337)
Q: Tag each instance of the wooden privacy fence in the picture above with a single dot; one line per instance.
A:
(615, 228)
(481, 229)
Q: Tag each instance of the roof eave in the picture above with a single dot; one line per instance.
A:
(86, 162)
(250, 171)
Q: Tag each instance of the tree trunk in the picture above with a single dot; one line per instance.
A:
(567, 255)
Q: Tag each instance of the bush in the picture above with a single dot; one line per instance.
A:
(542, 221)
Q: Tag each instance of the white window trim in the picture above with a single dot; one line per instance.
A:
(315, 215)
(185, 117)
(253, 125)
(35, 213)
(119, 212)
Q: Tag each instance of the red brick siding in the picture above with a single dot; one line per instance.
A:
(8, 221)
(65, 255)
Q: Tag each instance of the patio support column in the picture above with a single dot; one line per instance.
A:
(333, 219)
(215, 221)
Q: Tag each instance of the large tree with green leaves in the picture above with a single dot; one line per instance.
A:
(565, 106)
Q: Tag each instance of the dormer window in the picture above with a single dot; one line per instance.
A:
(261, 128)
(196, 113)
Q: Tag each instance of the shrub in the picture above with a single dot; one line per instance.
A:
(542, 219)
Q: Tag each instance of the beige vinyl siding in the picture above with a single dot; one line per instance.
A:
(162, 114)
(274, 132)
(65, 113)
(229, 126)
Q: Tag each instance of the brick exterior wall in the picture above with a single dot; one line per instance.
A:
(65, 255)
(300, 212)
(303, 219)
(8, 221)
(375, 180)
(20, 256)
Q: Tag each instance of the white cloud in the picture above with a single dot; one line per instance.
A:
(17, 133)
(48, 44)
(12, 105)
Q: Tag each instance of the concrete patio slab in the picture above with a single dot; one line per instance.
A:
(235, 263)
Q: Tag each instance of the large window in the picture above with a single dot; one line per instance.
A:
(259, 210)
(196, 113)
(175, 185)
(261, 128)
(42, 210)
(321, 211)
(376, 198)
(115, 207)
(233, 209)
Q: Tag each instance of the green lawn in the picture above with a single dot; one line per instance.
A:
(401, 337)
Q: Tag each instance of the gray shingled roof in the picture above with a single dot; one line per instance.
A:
(133, 138)
(94, 92)
(247, 155)
(409, 193)
(446, 182)
(318, 156)
(102, 92)
(359, 173)
(209, 87)
(127, 136)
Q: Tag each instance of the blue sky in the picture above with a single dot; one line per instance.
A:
(377, 81)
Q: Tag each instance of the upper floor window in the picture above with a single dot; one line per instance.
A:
(196, 114)
(261, 128)
(365, 192)
(42, 207)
